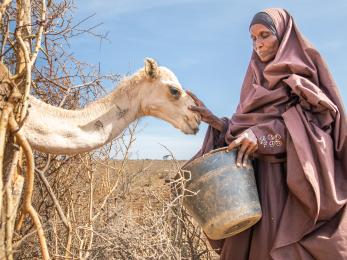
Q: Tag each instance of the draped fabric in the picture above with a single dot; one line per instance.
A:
(293, 106)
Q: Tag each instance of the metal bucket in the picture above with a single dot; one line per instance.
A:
(226, 200)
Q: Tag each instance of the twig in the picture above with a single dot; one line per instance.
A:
(39, 32)
(53, 197)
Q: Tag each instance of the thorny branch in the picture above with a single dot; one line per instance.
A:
(95, 205)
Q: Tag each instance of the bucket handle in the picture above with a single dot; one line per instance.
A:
(218, 150)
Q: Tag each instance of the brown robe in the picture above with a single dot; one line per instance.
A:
(293, 106)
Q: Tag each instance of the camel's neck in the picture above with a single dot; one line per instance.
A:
(60, 131)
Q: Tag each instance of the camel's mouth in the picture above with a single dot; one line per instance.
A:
(196, 130)
(191, 131)
(192, 127)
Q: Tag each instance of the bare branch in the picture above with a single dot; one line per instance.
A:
(39, 32)
(29, 186)
(3, 7)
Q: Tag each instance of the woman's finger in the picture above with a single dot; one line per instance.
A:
(192, 95)
(200, 110)
(235, 143)
(247, 153)
(195, 98)
(255, 148)
(195, 108)
(241, 153)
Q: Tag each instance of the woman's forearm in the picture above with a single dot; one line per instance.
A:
(217, 123)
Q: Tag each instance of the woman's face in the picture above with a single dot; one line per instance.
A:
(265, 43)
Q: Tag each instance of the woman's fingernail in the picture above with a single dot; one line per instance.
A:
(238, 165)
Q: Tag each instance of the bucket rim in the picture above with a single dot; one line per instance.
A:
(210, 153)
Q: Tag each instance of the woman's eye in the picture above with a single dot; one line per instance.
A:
(174, 91)
(265, 35)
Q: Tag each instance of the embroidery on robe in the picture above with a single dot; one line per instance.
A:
(271, 140)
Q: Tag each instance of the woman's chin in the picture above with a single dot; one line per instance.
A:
(266, 58)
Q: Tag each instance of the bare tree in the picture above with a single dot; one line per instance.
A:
(83, 206)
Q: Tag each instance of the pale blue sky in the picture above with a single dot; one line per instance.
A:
(206, 43)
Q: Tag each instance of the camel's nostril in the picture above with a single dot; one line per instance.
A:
(195, 130)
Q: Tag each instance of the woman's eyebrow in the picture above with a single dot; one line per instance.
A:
(261, 32)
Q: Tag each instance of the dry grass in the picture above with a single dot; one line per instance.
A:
(151, 221)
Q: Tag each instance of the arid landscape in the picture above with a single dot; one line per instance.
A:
(125, 209)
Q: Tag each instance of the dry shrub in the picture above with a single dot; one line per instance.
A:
(117, 209)
(98, 205)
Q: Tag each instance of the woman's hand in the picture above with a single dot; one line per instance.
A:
(200, 108)
(206, 115)
(249, 144)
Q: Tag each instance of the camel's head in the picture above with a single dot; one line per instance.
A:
(165, 98)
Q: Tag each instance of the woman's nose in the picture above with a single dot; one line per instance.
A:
(259, 44)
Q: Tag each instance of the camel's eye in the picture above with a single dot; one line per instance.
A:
(175, 92)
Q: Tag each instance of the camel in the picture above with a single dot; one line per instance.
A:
(152, 91)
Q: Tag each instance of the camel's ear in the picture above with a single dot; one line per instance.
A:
(151, 68)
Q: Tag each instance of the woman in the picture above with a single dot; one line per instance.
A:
(291, 116)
